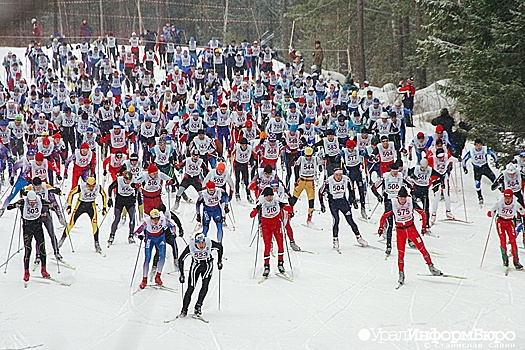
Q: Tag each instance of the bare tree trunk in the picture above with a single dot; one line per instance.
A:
(101, 12)
(360, 72)
(139, 12)
(421, 73)
(225, 26)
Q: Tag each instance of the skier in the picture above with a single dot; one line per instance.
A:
(211, 198)
(84, 161)
(85, 205)
(479, 156)
(153, 226)
(420, 176)
(151, 186)
(403, 211)
(200, 249)
(194, 168)
(507, 209)
(269, 208)
(307, 169)
(125, 201)
(392, 182)
(352, 161)
(336, 186)
(242, 153)
(442, 164)
(31, 210)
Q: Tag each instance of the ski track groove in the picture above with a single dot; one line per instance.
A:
(333, 302)
(452, 298)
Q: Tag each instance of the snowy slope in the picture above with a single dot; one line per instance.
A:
(339, 300)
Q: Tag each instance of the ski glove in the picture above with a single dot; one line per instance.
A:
(105, 172)
(59, 178)
(380, 198)
(141, 236)
(226, 209)
(181, 233)
(465, 170)
(380, 231)
(181, 279)
(489, 213)
(424, 231)
(65, 175)
(323, 208)
(104, 211)
(199, 219)
(254, 213)
(110, 202)
(68, 210)
(219, 265)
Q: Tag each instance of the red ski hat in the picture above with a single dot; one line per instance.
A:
(84, 145)
(439, 128)
(152, 168)
(507, 193)
(45, 141)
(350, 143)
(57, 136)
(210, 184)
(39, 157)
(420, 135)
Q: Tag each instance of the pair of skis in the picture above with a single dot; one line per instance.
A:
(195, 316)
(51, 279)
(399, 285)
(156, 286)
(283, 275)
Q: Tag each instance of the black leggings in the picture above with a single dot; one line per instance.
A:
(197, 270)
(33, 228)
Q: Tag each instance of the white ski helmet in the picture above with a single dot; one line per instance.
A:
(109, 94)
(511, 168)
(33, 20)
(31, 196)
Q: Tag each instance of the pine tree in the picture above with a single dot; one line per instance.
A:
(481, 41)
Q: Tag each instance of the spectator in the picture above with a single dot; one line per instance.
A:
(86, 31)
(36, 29)
(318, 56)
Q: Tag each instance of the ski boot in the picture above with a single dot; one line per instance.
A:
(237, 197)
(198, 310)
(249, 198)
(411, 244)
(432, 219)
(44, 272)
(481, 201)
(158, 281)
(111, 239)
(177, 204)
(131, 239)
(143, 283)
(450, 216)
(266, 271)
(58, 256)
(388, 248)
(97, 247)
(505, 262)
(401, 279)
(363, 212)
(186, 198)
(309, 222)
(37, 260)
(280, 266)
(356, 205)
(26, 275)
(294, 246)
(518, 266)
(361, 241)
(336, 243)
(183, 313)
(434, 271)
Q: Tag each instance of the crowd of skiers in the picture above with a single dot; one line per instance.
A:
(229, 122)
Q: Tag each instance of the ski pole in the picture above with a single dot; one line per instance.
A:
(486, 244)
(11, 243)
(285, 237)
(256, 251)
(136, 262)
(372, 213)
(219, 289)
(463, 193)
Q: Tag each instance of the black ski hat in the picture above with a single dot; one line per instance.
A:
(267, 192)
(402, 192)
